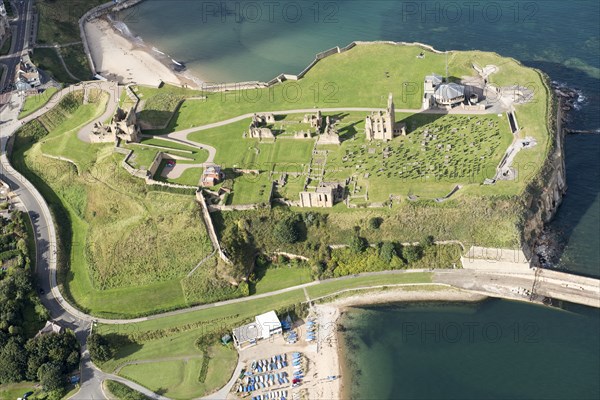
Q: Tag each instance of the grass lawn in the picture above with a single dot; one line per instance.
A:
(13, 391)
(35, 102)
(48, 60)
(332, 287)
(59, 24)
(281, 277)
(250, 189)
(77, 61)
(178, 379)
(189, 177)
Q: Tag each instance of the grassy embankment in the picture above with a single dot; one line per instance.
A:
(123, 392)
(35, 102)
(5, 49)
(60, 26)
(125, 249)
(175, 337)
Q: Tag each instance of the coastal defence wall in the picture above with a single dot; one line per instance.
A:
(225, 87)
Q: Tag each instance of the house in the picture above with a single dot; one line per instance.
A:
(211, 176)
(449, 94)
(28, 73)
(263, 327)
(50, 327)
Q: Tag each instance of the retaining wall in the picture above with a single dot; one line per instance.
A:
(224, 87)
(212, 234)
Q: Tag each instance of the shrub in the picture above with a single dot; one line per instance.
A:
(375, 222)
(412, 253)
(387, 252)
(358, 244)
(427, 241)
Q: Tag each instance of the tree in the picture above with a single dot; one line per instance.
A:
(239, 245)
(51, 377)
(358, 244)
(375, 222)
(99, 348)
(286, 231)
(387, 252)
(427, 241)
(412, 253)
(13, 361)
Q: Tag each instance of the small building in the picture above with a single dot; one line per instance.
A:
(50, 327)
(264, 326)
(211, 176)
(27, 74)
(448, 94)
(429, 86)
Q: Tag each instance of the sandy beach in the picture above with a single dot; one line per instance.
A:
(329, 358)
(117, 58)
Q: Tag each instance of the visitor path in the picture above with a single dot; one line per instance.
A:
(183, 134)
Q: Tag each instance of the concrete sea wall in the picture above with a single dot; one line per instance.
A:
(224, 87)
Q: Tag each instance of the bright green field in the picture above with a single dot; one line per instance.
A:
(439, 152)
(282, 277)
(178, 379)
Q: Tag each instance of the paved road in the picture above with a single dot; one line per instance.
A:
(22, 28)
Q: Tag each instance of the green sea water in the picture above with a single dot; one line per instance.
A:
(495, 349)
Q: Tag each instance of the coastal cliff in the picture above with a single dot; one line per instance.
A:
(544, 194)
